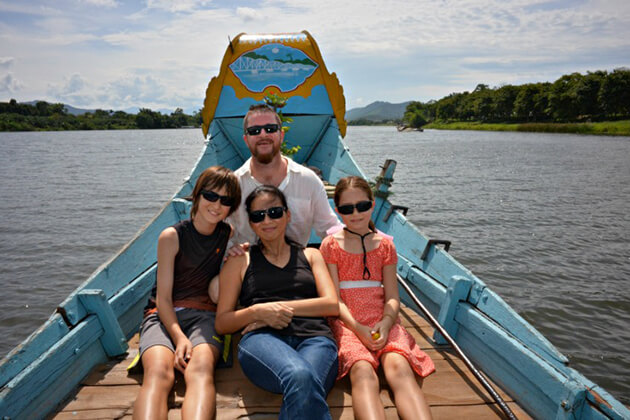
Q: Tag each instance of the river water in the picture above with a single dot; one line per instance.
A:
(543, 219)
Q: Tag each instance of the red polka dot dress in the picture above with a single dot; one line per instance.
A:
(366, 304)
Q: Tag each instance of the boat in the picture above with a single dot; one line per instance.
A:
(75, 364)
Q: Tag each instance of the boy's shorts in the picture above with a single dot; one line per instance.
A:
(196, 324)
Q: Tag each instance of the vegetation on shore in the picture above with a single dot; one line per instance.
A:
(613, 128)
(44, 116)
(594, 103)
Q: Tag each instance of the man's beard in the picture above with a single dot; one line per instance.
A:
(265, 157)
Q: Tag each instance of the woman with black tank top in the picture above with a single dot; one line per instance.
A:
(178, 330)
(284, 292)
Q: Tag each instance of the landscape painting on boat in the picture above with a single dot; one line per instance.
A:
(273, 65)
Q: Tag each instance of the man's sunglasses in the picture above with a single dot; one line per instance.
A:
(258, 216)
(361, 206)
(212, 197)
(255, 130)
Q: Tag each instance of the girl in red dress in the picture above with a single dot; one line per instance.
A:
(362, 263)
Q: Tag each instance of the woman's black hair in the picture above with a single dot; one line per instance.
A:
(274, 192)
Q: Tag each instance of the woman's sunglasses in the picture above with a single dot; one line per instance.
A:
(255, 130)
(212, 197)
(361, 206)
(258, 216)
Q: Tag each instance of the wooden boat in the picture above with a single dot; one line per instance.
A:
(74, 366)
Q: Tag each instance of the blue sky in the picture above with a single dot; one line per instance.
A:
(117, 54)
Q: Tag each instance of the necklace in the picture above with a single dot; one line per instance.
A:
(366, 271)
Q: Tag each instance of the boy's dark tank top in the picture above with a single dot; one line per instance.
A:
(196, 263)
(264, 282)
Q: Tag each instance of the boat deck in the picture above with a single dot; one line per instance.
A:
(452, 391)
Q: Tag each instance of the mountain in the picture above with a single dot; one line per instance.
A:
(71, 110)
(378, 111)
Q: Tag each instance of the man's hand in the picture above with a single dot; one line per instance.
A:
(238, 249)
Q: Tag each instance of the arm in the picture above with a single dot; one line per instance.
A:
(228, 319)
(168, 246)
(363, 332)
(392, 305)
(323, 215)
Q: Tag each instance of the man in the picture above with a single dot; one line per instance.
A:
(303, 189)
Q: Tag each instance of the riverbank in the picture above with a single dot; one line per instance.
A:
(608, 128)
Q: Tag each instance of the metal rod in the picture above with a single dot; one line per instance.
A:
(510, 415)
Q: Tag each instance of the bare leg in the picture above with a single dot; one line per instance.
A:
(366, 398)
(408, 395)
(158, 380)
(200, 399)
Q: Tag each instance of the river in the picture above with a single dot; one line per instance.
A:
(543, 219)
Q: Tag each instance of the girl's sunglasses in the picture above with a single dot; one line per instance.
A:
(361, 206)
(258, 216)
(212, 197)
(255, 130)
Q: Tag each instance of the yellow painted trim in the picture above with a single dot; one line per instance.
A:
(320, 76)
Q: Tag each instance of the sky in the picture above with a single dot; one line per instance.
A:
(158, 54)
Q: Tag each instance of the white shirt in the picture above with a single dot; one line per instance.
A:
(306, 197)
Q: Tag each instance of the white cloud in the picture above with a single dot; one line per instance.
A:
(9, 84)
(6, 62)
(247, 13)
(177, 6)
(101, 3)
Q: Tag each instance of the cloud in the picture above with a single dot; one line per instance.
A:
(9, 84)
(71, 91)
(246, 13)
(6, 62)
(178, 6)
(101, 3)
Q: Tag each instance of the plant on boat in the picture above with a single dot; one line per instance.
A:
(277, 102)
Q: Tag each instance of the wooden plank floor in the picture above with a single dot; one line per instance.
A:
(452, 391)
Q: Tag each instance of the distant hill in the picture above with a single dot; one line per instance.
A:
(79, 111)
(377, 111)
(71, 110)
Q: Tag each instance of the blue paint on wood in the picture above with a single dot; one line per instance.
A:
(458, 291)
(57, 362)
(494, 307)
(113, 339)
(53, 330)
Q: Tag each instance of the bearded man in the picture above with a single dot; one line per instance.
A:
(303, 189)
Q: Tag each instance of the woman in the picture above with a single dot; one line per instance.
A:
(284, 291)
(178, 333)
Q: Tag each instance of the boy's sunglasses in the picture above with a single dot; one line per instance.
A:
(255, 130)
(212, 197)
(361, 206)
(258, 216)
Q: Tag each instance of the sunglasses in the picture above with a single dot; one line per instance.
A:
(255, 130)
(212, 197)
(361, 206)
(258, 216)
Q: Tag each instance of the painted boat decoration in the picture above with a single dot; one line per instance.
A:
(94, 324)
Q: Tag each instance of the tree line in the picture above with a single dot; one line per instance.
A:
(595, 96)
(42, 115)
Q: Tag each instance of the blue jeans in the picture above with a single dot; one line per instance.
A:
(302, 369)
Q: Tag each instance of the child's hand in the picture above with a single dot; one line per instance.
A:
(381, 332)
(183, 353)
(364, 333)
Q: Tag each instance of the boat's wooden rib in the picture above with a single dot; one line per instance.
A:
(452, 391)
